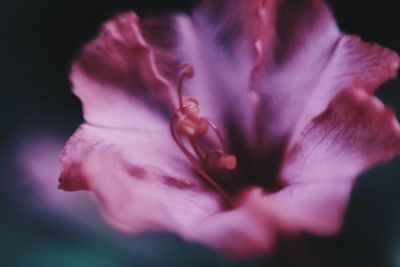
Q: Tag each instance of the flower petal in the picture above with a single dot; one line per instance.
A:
(139, 177)
(314, 207)
(353, 62)
(355, 132)
(117, 80)
(309, 63)
(227, 32)
(255, 225)
(245, 231)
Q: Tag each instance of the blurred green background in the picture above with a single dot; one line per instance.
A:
(38, 42)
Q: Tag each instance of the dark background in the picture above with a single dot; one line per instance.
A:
(39, 40)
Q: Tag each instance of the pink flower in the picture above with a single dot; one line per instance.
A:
(292, 98)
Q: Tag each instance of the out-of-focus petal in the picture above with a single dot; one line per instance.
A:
(140, 179)
(247, 230)
(254, 226)
(315, 207)
(38, 159)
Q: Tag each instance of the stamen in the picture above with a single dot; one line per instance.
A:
(187, 121)
(195, 163)
(229, 162)
(193, 126)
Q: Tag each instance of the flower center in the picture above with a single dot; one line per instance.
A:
(190, 131)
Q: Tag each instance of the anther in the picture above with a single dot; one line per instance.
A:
(217, 160)
(190, 107)
(193, 126)
(229, 162)
(186, 70)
